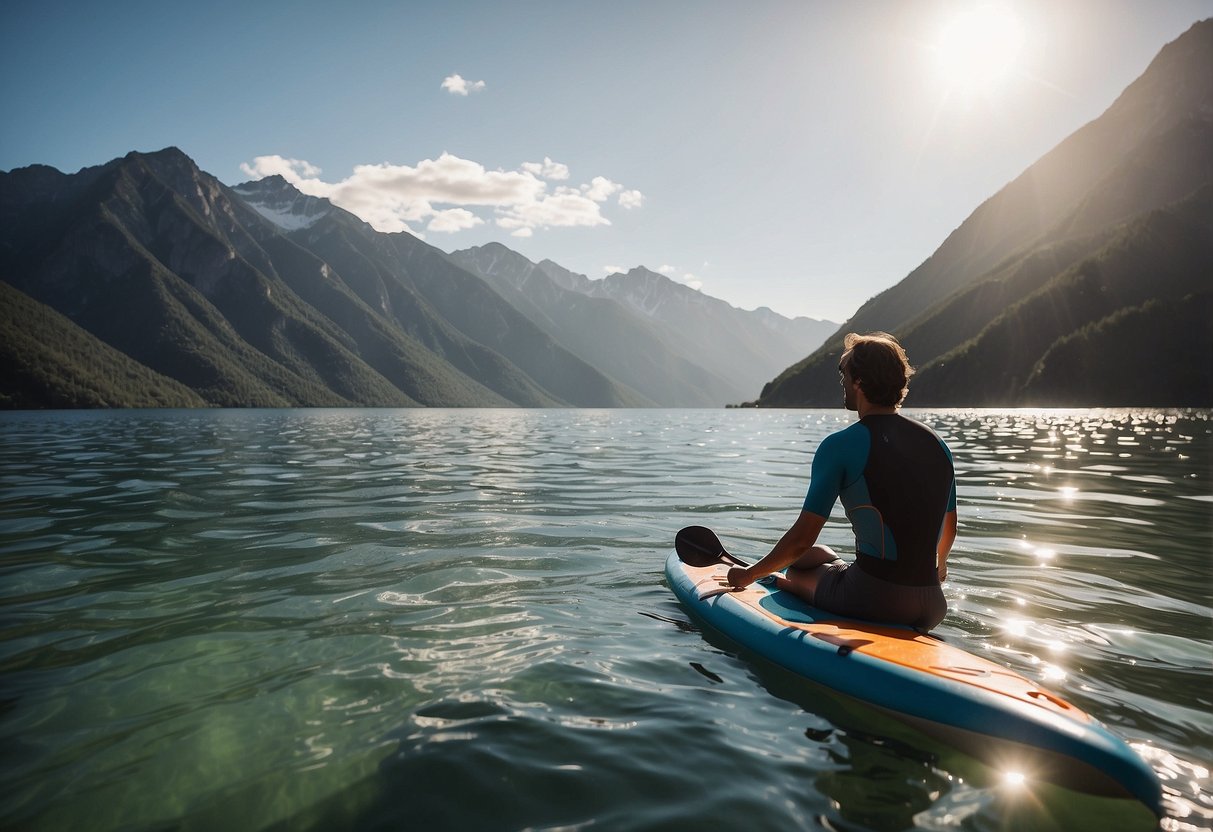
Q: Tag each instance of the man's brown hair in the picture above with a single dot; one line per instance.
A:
(880, 365)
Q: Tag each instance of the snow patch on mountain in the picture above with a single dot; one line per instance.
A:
(277, 201)
(284, 218)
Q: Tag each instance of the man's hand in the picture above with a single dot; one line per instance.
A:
(736, 578)
(943, 570)
(739, 577)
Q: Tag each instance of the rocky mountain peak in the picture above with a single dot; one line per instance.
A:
(169, 165)
(282, 203)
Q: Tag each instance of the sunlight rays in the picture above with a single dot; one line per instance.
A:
(977, 50)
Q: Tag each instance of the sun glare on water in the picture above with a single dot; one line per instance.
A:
(977, 49)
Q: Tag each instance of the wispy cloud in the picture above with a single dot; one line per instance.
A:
(292, 170)
(442, 193)
(457, 85)
(547, 169)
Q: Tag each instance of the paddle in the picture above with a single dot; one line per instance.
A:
(699, 546)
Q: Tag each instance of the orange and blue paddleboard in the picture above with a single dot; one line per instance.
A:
(976, 705)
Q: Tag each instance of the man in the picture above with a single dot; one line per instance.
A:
(896, 481)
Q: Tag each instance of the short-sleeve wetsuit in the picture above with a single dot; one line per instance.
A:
(896, 481)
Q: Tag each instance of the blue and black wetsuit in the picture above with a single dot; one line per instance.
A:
(896, 481)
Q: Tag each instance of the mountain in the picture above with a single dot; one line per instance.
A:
(599, 330)
(259, 295)
(676, 306)
(676, 344)
(635, 327)
(1157, 264)
(735, 343)
(231, 294)
(101, 246)
(980, 316)
(1180, 334)
(63, 366)
(442, 307)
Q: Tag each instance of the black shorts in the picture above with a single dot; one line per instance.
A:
(846, 589)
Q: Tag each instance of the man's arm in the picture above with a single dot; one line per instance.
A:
(795, 542)
(947, 537)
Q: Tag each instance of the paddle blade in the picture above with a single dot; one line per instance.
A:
(698, 546)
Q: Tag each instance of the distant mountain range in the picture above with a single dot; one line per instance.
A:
(1088, 280)
(147, 282)
(669, 342)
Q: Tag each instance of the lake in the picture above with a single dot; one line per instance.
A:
(457, 619)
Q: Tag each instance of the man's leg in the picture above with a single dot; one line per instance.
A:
(803, 575)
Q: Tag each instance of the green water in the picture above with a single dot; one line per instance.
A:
(457, 620)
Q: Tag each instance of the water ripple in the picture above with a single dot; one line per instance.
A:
(455, 619)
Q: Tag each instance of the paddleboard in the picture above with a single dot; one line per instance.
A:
(986, 710)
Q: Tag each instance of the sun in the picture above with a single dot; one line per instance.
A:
(977, 49)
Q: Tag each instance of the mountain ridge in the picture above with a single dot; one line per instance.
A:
(216, 287)
(648, 324)
(259, 295)
(598, 329)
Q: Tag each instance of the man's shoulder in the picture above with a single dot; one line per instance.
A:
(917, 423)
(856, 428)
(927, 430)
(854, 435)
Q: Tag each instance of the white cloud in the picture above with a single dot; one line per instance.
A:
(600, 189)
(447, 179)
(692, 281)
(562, 209)
(456, 85)
(454, 219)
(631, 199)
(288, 169)
(614, 269)
(668, 269)
(442, 193)
(547, 169)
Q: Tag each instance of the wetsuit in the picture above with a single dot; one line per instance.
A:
(896, 481)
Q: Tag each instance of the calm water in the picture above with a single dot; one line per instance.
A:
(457, 619)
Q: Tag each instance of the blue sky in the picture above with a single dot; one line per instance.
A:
(799, 155)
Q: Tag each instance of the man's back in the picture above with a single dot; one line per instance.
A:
(910, 481)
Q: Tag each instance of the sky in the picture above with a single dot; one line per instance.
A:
(802, 155)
